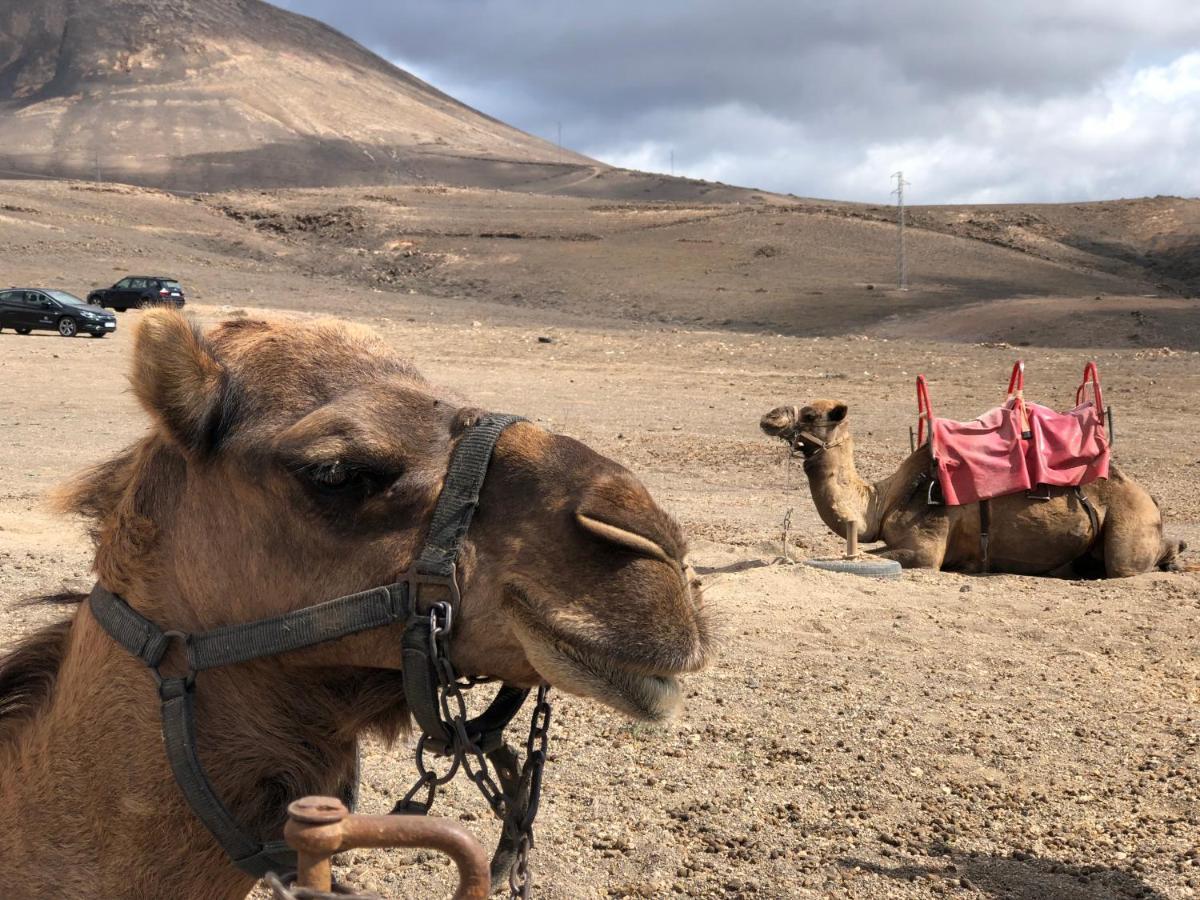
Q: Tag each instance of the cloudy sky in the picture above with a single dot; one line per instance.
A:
(976, 100)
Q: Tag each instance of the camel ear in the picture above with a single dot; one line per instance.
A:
(838, 412)
(179, 380)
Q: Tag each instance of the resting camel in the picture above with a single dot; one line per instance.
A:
(287, 465)
(1027, 536)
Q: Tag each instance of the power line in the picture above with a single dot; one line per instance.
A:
(901, 260)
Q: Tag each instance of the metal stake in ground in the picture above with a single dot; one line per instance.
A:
(855, 563)
(851, 539)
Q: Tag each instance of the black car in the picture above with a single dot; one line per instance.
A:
(24, 309)
(141, 291)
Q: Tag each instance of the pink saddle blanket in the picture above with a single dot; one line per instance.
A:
(1018, 446)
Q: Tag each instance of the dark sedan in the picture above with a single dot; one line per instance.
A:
(26, 309)
(142, 291)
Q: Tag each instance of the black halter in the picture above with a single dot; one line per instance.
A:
(394, 603)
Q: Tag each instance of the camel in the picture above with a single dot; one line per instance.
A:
(1028, 536)
(288, 464)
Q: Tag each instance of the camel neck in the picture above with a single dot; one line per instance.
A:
(100, 810)
(842, 495)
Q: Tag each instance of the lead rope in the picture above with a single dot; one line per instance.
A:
(516, 798)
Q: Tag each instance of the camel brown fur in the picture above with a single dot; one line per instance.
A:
(1027, 536)
(288, 465)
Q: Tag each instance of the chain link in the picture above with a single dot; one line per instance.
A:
(471, 758)
(283, 890)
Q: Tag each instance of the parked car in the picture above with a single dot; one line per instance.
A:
(24, 309)
(141, 291)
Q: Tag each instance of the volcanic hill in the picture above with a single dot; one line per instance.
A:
(214, 94)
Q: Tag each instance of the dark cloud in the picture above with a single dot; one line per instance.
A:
(978, 99)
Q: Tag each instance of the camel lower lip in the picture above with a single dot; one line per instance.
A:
(583, 671)
(643, 696)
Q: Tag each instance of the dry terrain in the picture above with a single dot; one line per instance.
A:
(939, 735)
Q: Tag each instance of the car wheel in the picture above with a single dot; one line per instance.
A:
(120, 309)
(67, 327)
(145, 303)
(22, 330)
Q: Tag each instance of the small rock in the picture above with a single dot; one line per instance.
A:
(545, 340)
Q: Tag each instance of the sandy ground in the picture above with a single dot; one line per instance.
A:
(937, 735)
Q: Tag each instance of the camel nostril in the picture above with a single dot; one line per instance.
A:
(623, 537)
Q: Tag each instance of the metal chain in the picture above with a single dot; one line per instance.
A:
(519, 878)
(284, 890)
(468, 755)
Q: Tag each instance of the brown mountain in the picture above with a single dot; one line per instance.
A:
(210, 94)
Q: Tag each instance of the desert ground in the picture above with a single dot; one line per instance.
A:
(938, 735)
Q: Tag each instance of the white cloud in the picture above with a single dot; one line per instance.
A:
(979, 100)
(1134, 133)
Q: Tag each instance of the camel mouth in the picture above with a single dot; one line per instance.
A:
(637, 689)
(806, 449)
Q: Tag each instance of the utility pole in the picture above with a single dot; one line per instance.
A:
(672, 163)
(901, 261)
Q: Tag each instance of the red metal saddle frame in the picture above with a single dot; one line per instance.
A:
(1017, 446)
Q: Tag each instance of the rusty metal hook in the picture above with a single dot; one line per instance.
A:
(319, 827)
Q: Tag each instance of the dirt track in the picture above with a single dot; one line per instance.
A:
(992, 737)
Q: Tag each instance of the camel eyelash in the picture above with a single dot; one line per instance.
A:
(342, 477)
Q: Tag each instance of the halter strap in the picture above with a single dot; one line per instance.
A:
(436, 566)
(811, 438)
(460, 495)
(328, 621)
(227, 646)
(822, 445)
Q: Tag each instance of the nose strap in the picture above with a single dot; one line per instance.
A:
(460, 495)
(810, 438)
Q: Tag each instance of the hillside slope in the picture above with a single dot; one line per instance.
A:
(797, 267)
(1151, 239)
(211, 94)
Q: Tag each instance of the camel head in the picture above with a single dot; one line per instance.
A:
(293, 463)
(808, 429)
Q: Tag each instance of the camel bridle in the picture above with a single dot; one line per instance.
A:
(800, 438)
(432, 688)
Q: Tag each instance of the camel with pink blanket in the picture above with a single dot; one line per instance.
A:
(1064, 510)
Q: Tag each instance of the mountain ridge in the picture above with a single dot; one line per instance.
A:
(214, 94)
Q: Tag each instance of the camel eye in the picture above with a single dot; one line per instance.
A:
(338, 477)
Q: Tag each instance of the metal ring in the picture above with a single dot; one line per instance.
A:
(436, 626)
(189, 675)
